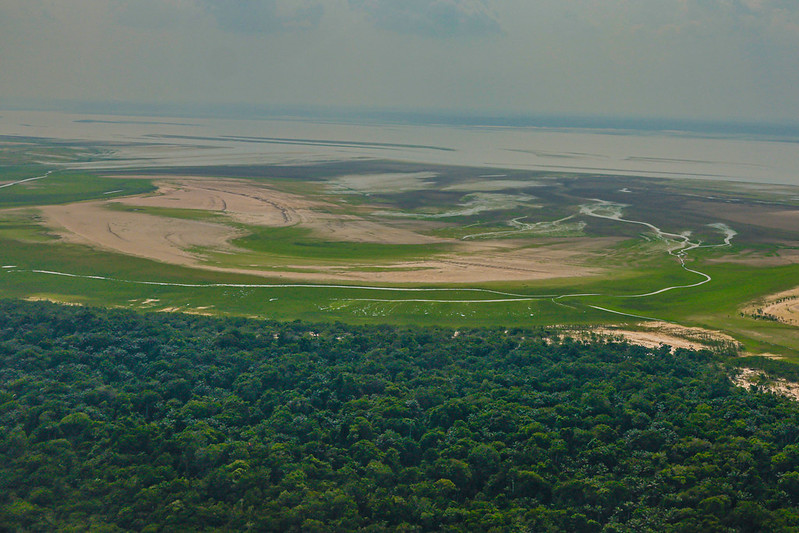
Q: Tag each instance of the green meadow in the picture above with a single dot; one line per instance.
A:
(66, 187)
(109, 279)
(36, 264)
(295, 242)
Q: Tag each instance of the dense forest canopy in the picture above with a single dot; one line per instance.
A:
(111, 420)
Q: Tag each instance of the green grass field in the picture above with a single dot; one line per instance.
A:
(714, 305)
(67, 187)
(299, 243)
(36, 264)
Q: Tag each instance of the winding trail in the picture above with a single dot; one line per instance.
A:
(678, 245)
(27, 180)
(511, 296)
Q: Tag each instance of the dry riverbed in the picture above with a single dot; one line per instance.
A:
(177, 240)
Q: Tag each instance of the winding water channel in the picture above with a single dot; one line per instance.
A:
(678, 245)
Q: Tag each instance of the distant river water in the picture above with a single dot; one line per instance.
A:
(132, 142)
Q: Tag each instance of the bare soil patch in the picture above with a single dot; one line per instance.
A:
(164, 239)
(656, 334)
(492, 185)
(748, 377)
(254, 204)
(241, 200)
(477, 266)
(781, 307)
(175, 240)
(393, 182)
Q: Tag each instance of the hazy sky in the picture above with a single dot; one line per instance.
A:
(727, 59)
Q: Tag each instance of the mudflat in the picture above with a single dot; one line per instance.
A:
(183, 241)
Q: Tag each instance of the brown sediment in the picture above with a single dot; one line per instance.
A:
(749, 377)
(784, 219)
(175, 241)
(656, 334)
(138, 234)
(780, 307)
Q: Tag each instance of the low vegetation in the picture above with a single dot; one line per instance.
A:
(67, 187)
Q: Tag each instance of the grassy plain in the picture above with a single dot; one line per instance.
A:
(381, 241)
(66, 187)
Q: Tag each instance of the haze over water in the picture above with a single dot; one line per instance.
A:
(167, 141)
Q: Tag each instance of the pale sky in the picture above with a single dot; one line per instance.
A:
(702, 59)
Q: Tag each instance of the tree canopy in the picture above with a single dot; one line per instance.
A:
(112, 421)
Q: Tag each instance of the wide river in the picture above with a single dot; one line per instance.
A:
(159, 141)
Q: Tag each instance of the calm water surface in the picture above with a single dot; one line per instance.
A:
(163, 141)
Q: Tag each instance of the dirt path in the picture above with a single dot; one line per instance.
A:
(4, 185)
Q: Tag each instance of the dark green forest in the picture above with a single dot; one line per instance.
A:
(112, 421)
